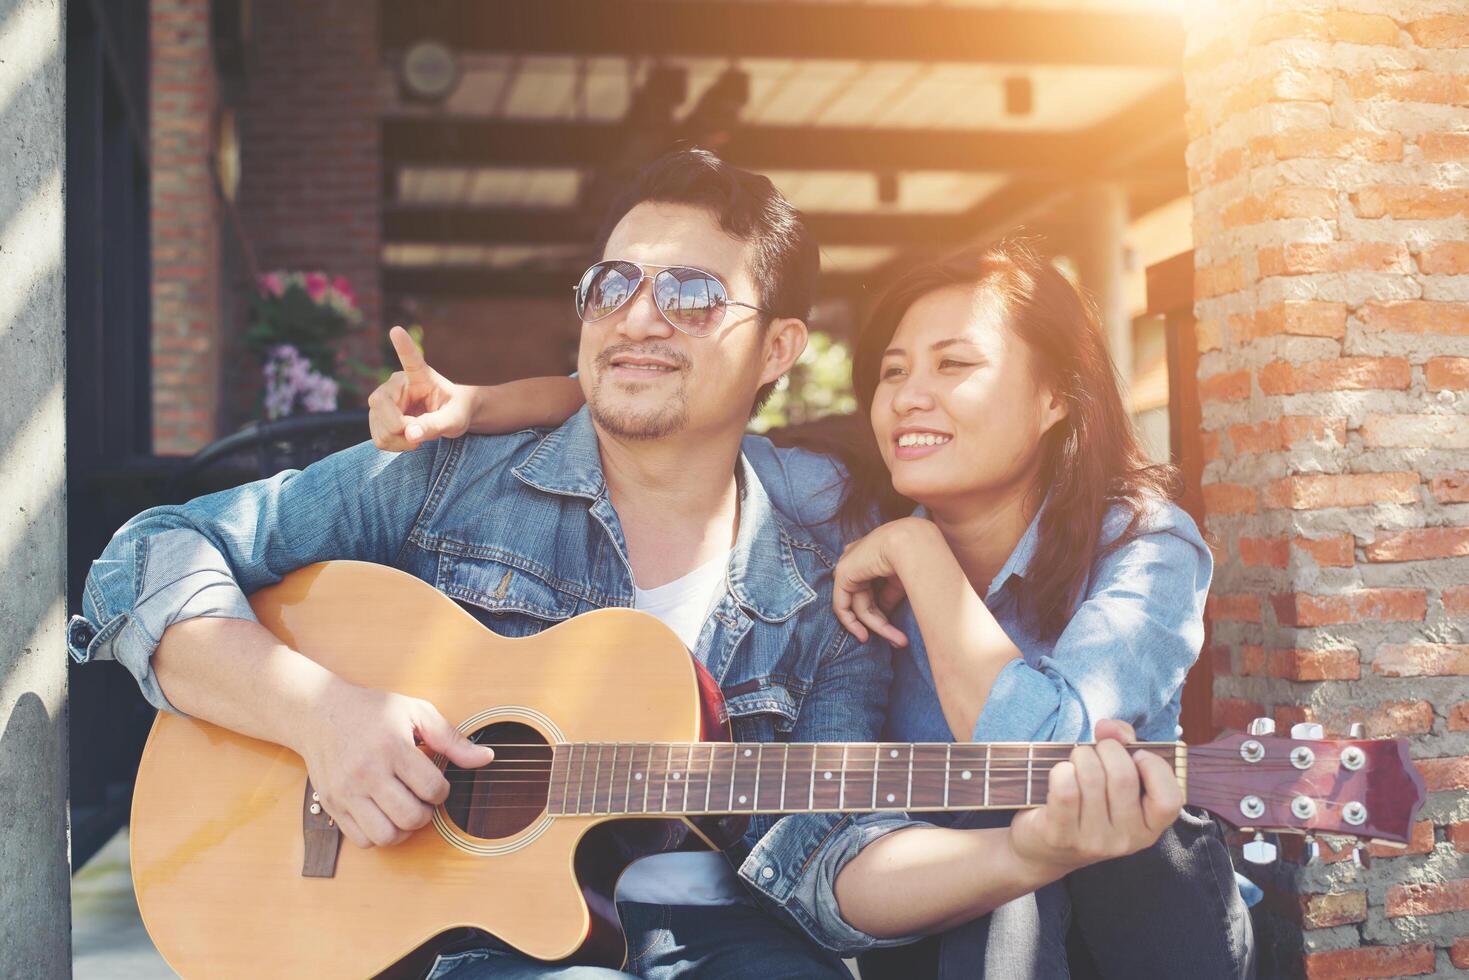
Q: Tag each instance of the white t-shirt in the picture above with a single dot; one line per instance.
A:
(694, 877)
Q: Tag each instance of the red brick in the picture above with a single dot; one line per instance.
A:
(1397, 718)
(1447, 258)
(1229, 498)
(1403, 86)
(1444, 774)
(1459, 953)
(1338, 909)
(1420, 841)
(1296, 429)
(1363, 605)
(1421, 544)
(1334, 552)
(1299, 318)
(1230, 386)
(1252, 660)
(1451, 488)
(1456, 600)
(1458, 835)
(1370, 962)
(1264, 552)
(1444, 148)
(1304, 258)
(1417, 316)
(1235, 713)
(1447, 373)
(1315, 665)
(1209, 443)
(1315, 491)
(1459, 717)
(1261, 437)
(1422, 660)
(1242, 607)
(1339, 374)
(1440, 32)
(1410, 201)
(1284, 202)
(1218, 280)
(1340, 144)
(1349, 28)
(1428, 898)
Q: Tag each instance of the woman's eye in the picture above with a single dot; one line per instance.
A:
(891, 372)
(949, 362)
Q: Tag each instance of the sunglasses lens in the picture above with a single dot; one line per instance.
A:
(692, 300)
(604, 288)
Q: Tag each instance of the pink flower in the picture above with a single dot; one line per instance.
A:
(316, 286)
(344, 289)
(272, 283)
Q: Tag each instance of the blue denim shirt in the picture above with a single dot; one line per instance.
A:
(1134, 631)
(519, 530)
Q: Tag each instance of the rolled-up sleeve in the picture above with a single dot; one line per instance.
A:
(170, 564)
(1124, 653)
(792, 862)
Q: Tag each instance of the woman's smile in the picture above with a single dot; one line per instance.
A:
(913, 443)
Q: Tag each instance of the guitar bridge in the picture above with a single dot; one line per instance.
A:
(322, 837)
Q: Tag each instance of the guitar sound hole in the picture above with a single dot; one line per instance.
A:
(509, 794)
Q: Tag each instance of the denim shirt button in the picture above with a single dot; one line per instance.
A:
(79, 635)
(767, 873)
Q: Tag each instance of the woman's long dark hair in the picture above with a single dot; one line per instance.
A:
(1090, 460)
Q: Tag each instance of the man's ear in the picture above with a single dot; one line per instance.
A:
(785, 340)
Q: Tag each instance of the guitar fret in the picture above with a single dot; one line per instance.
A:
(948, 759)
(784, 763)
(1029, 771)
(755, 794)
(667, 760)
(597, 776)
(581, 781)
(876, 757)
(632, 751)
(811, 796)
(688, 758)
(647, 775)
(910, 777)
(842, 798)
(988, 749)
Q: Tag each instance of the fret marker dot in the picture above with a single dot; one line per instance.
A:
(637, 775)
(826, 775)
(747, 752)
(964, 774)
(742, 799)
(893, 753)
(676, 775)
(891, 797)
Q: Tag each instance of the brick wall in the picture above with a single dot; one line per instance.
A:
(1329, 147)
(311, 186)
(185, 216)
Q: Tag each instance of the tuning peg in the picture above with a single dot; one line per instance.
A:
(1262, 726)
(1358, 730)
(1313, 849)
(1306, 729)
(1260, 850)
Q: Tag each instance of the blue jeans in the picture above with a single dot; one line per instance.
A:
(673, 942)
(1173, 910)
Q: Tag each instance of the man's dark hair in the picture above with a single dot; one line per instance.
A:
(784, 260)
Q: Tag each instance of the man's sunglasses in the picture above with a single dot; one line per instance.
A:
(691, 300)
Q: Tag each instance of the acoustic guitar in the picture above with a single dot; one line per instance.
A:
(610, 743)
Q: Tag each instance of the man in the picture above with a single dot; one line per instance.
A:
(643, 499)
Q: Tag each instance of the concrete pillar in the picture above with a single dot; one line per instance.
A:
(35, 911)
(1102, 217)
(1327, 159)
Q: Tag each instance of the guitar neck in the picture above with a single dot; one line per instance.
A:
(777, 777)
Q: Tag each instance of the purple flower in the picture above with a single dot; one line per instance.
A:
(290, 381)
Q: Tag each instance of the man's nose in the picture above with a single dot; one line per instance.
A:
(639, 319)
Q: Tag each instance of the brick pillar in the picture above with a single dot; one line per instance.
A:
(1328, 149)
(311, 184)
(186, 222)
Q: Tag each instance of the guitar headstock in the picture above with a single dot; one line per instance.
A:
(1365, 788)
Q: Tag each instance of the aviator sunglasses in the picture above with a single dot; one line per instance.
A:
(691, 300)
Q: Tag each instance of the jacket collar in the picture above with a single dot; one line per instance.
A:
(1018, 564)
(763, 575)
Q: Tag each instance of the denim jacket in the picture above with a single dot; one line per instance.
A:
(519, 529)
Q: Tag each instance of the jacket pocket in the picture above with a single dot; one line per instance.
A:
(765, 714)
(502, 589)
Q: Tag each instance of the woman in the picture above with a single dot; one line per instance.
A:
(1049, 584)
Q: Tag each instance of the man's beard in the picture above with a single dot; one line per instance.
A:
(629, 423)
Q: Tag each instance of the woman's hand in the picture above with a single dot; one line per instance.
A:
(1101, 804)
(417, 403)
(868, 584)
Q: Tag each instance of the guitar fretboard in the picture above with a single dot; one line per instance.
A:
(778, 777)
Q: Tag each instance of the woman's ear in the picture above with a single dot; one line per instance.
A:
(1055, 410)
(785, 340)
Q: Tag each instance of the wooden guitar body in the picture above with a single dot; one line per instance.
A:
(217, 821)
